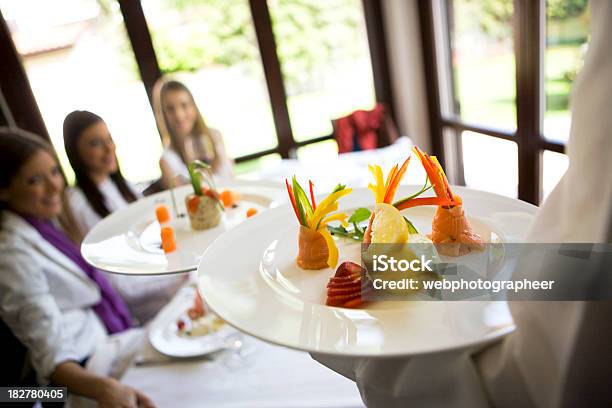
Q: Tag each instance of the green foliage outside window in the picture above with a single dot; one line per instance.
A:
(219, 32)
(494, 15)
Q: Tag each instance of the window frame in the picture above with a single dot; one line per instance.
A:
(20, 98)
(529, 24)
(140, 39)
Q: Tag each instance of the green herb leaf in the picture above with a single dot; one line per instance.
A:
(360, 215)
(411, 228)
(196, 178)
(418, 193)
(301, 201)
(339, 187)
(356, 232)
(343, 232)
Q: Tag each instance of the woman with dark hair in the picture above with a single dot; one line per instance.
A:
(101, 189)
(100, 186)
(77, 329)
(185, 135)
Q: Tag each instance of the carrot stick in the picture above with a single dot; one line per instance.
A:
(415, 202)
(443, 176)
(392, 174)
(314, 204)
(397, 178)
(292, 199)
(432, 173)
(167, 239)
(162, 214)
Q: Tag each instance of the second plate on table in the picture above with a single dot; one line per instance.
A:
(165, 337)
(128, 241)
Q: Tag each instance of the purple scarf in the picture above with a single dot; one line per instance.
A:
(112, 310)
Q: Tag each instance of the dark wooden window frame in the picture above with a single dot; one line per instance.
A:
(142, 45)
(18, 99)
(528, 27)
(23, 108)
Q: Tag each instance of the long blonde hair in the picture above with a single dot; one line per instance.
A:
(204, 144)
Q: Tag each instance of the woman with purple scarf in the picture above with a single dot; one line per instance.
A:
(77, 329)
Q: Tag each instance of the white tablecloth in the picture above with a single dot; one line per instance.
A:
(269, 376)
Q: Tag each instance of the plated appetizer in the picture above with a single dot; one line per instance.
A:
(451, 232)
(198, 322)
(386, 224)
(316, 247)
(450, 227)
(199, 326)
(204, 205)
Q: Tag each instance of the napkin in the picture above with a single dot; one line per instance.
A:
(554, 358)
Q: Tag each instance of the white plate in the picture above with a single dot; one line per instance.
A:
(263, 293)
(164, 337)
(128, 241)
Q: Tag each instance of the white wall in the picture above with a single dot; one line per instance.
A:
(407, 70)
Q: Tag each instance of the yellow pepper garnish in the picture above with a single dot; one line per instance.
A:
(317, 216)
(384, 191)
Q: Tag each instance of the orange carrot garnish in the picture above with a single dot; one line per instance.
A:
(435, 174)
(167, 238)
(292, 199)
(394, 183)
(251, 212)
(193, 203)
(162, 214)
(415, 202)
(228, 197)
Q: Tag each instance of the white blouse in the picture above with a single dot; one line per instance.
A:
(179, 168)
(144, 295)
(84, 214)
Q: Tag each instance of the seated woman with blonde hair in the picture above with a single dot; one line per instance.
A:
(185, 135)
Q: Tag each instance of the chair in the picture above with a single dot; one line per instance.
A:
(365, 130)
(155, 187)
(16, 369)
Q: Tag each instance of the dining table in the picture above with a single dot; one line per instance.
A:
(260, 374)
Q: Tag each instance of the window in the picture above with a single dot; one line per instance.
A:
(82, 59)
(323, 50)
(499, 89)
(239, 58)
(211, 47)
(482, 58)
(567, 30)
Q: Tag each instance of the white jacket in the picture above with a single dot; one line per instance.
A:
(45, 298)
(144, 295)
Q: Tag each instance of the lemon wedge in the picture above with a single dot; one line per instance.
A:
(388, 226)
(419, 239)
